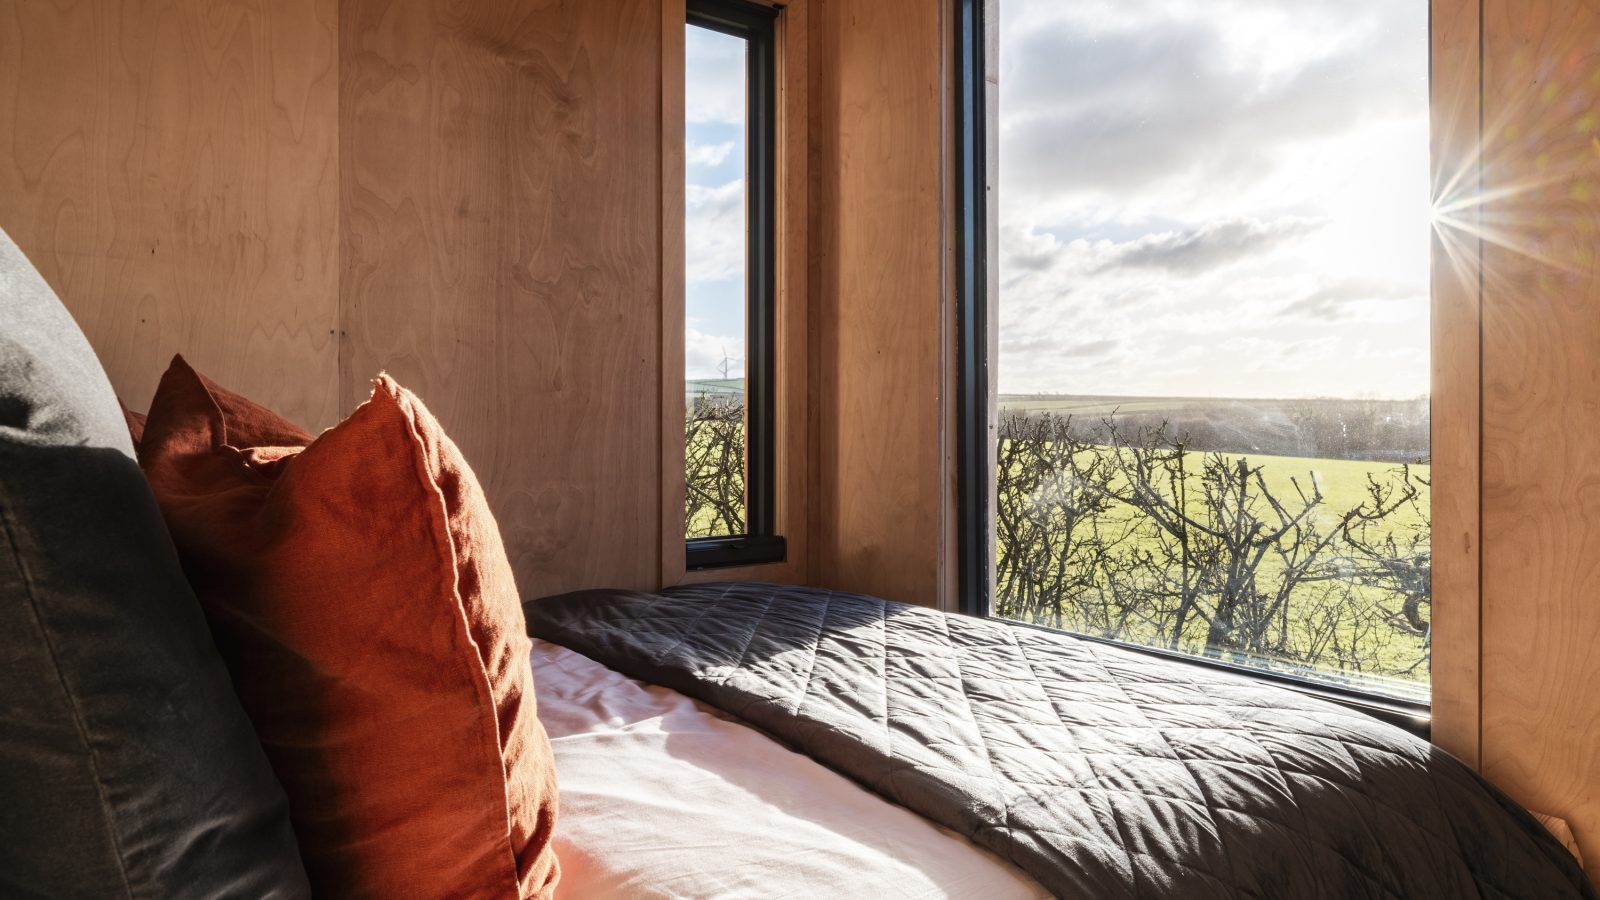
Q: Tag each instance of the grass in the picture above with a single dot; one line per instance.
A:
(1344, 486)
(1343, 481)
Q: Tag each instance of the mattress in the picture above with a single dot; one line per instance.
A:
(664, 797)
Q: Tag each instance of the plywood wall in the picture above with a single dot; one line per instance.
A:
(1457, 340)
(470, 195)
(1541, 408)
(171, 168)
(879, 303)
(473, 197)
(500, 189)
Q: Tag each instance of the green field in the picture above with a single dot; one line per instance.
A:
(1355, 619)
(1353, 612)
(1343, 481)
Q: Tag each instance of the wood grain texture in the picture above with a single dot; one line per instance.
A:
(877, 253)
(501, 193)
(170, 166)
(947, 579)
(674, 266)
(1541, 409)
(1457, 375)
(791, 393)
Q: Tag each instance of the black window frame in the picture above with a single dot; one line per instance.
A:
(973, 452)
(757, 25)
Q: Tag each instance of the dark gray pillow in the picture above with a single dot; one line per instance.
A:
(127, 767)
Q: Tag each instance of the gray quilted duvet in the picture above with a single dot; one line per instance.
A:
(1101, 772)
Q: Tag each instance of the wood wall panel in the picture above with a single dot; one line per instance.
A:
(674, 266)
(1541, 409)
(1457, 376)
(879, 304)
(171, 168)
(501, 187)
(469, 194)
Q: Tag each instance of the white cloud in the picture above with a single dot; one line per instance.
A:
(1075, 319)
(1350, 298)
(704, 354)
(714, 231)
(699, 154)
(714, 77)
(1211, 245)
(1133, 109)
(1226, 198)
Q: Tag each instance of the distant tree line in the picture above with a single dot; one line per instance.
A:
(1325, 428)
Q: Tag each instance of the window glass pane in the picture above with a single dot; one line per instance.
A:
(715, 236)
(1213, 309)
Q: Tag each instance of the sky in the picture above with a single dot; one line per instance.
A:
(714, 230)
(1226, 198)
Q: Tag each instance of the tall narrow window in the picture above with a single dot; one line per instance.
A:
(729, 290)
(1210, 387)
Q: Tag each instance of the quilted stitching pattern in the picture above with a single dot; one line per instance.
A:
(1101, 772)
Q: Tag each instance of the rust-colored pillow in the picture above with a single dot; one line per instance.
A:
(359, 592)
(135, 422)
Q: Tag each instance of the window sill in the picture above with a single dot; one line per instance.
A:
(739, 550)
(1403, 714)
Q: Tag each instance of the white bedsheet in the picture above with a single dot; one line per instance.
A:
(664, 797)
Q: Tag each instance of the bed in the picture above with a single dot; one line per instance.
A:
(1091, 770)
(665, 797)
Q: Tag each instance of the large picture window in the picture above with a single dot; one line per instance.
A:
(1197, 398)
(729, 283)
